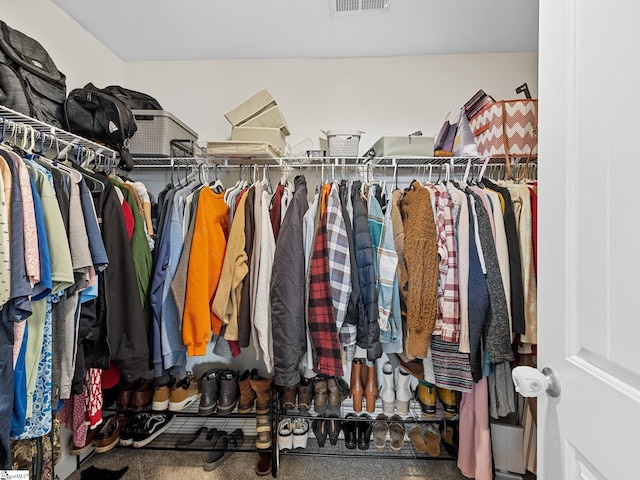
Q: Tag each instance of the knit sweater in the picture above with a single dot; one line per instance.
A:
(226, 303)
(421, 257)
(205, 265)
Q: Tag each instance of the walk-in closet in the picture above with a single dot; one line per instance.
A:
(344, 239)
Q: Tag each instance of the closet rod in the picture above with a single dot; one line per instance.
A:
(16, 125)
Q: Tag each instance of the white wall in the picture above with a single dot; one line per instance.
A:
(383, 95)
(75, 51)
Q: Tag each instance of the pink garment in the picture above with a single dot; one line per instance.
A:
(474, 453)
(18, 337)
(72, 417)
(31, 251)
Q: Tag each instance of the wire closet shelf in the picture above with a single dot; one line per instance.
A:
(41, 136)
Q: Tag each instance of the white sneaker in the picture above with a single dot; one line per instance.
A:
(285, 434)
(300, 433)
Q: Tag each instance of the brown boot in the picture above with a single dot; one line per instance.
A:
(371, 388)
(320, 395)
(262, 388)
(338, 391)
(247, 395)
(305, 394)
(289, 396)
(357, 387)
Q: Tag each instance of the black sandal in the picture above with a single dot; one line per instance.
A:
(236, 437)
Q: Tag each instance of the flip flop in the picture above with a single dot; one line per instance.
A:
(396, 433)
(379, 432)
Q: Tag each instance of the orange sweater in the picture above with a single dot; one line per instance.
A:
(205, 264)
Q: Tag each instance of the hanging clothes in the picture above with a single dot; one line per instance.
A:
(320, 314)
(226, 302)
(244, 309)
(339, 263)
(287, 290)
(420, 252)
(205, 266)
(262, 323)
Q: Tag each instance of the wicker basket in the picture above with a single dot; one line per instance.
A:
(160, 134)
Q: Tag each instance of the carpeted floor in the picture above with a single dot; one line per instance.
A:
(171, 465)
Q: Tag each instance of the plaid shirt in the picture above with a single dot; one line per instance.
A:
(321, 316)
(448, 319)
(339, 266)
(386, 259)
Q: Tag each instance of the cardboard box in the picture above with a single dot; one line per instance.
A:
(273, 136)
(270, 118)
(402, 146)
(250, 108)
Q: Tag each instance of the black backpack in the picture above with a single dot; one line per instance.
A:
(99, 116)
(30, 83)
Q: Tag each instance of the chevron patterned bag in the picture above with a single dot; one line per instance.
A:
(507, 128)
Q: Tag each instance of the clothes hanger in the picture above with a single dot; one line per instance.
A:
(217, 185)
(395, 175)
(4, 128)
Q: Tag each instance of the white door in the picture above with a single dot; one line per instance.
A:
(589, 238)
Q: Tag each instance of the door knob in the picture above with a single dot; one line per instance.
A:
(530, 382)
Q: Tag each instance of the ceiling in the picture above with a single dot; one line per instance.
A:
(157, 30)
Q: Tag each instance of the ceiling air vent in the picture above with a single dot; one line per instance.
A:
(351, 7)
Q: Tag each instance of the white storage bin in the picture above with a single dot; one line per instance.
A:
(343, 143)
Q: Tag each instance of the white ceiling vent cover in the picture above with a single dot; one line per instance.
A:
(353, 7)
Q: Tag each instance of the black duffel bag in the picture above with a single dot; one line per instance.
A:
(94, 114)
(135, 100)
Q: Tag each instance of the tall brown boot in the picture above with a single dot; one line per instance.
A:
(371, 388)
(262, 387)
(247, 395)
(357, 387)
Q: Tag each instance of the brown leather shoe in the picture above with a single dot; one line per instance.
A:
(262, 388)
(320, 395)
(289, 394)
(263, 465)
(143, 396)
(305, 394)
(126, 394)
(229, 392)
(90, 440)
(247, 395)
(109, 435)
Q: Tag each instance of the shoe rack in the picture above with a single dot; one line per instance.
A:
(180, 434)
(407, 451)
